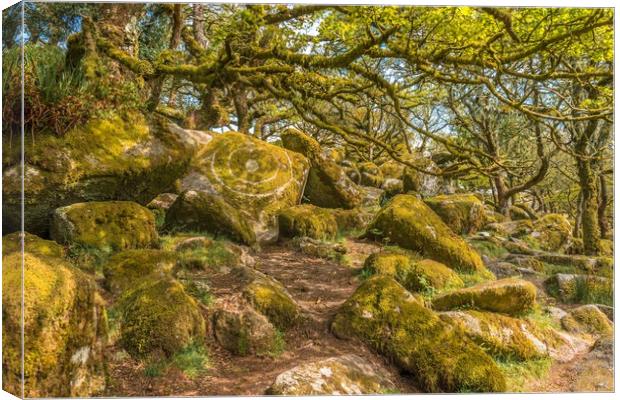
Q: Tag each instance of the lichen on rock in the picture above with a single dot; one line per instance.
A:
(509, 296)
(385, 316)
(344, 375)
(414, 273)
(463, 212)
(158, 318)
(250, 178)
(327, 185)
(206, 212)
(307, 220)
(408, 222)
(65, 328)
(269, 297)
(120, 157)
(113, 225)
(129, 268)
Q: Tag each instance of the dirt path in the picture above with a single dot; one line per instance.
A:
(319, 286)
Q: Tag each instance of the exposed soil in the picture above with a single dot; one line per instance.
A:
(319, 286)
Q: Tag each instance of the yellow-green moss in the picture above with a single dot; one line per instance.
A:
(587, 318)
(464, 213)
(551, 232)
(392, 169)
(352, 221)
(255, 178)
(130, 268)
(371, 175)
(269, 297)
(517, 213)
(327, 184)
(203, 211)
(159, 318)
(501, 336)
(425, 276)
(119, 157)
(607, 247)
(115, 225)
(411, 224)
(307, 220)
(63, 318)
(32, 244)
(508, 296)
(386, 317)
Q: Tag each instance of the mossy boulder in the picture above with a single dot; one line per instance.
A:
(518, 213)
(203, 211)
(587, 319)
(464, 213)
(162, 202)
(318, 248)
(243, 331)
(370, 174)
(158, 318)
(552, 232)
(239, 174)
(344, 375)
(115, 158)
(408, 222)
(353, 220)
(572, 288)
(392, 187)
(307, 220)
(385, 316)
(269, 297)
(607, 247)
(392, 169)
(507, 296)
(516, 229)
(32, 244)
(65, 328)
(115, 225)
(327, 185)
(129, 268)
(414, 273)
(506, 337)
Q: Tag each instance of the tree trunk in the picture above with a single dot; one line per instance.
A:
(589, 213)
(602, 206)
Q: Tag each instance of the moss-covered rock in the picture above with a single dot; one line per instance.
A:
(384, 315)
(32, 244)
(411, 271)
(247, 177)
(507, 296)
(392, 169)
(587, 319)
(243, 331)
(515, 229)
(607, 247)
(307, 220)
(552, 232)
(162, 202)
(327, 184)
(114, 158)
(203, 211)
(269, 297)
(464, 213)
(65, 328)
(505, 337)
(492, 216)
(344, 375)
(159, 318)
(575, 288)
(129, 268)
(354, 220)
(370, 174)
(411, 224)
(518, 213)
(392, 187)
(114, 225)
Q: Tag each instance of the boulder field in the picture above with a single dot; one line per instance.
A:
(238, 260)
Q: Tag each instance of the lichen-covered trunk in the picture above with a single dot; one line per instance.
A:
(503, 198)
(589, 212)
(602, 206)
